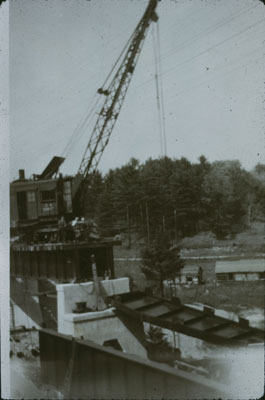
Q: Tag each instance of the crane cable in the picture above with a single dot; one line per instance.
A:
(157, 97)
(80, 129)
(161, 89)
(159, 92)
(206, 51)
(77, 131)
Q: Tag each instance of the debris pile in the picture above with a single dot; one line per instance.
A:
(24, 345)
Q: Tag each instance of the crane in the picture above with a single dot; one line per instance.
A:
(115, 95)
(41, 200)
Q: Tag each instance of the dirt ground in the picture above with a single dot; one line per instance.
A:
(250, 241)
(237, 297)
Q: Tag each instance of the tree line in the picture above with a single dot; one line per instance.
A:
(176, 197)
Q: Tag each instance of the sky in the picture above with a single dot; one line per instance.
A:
(212, 73)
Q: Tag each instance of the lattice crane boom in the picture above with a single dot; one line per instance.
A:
(115, 95)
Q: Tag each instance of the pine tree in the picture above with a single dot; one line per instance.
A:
(161, 261)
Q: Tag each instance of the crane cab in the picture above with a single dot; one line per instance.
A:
(42, 199)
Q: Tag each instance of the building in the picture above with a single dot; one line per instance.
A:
(240, 270)
(190, 274)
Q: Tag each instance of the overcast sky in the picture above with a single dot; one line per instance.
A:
(212, 56)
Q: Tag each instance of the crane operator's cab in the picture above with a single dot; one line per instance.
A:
(43, 199)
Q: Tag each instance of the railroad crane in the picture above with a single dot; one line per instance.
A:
(38, 203)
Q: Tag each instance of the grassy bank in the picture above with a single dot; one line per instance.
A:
(229, 296)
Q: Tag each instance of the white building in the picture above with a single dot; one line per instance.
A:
(240, 270)
(190, 274)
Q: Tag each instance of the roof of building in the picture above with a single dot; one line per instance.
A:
(190, 269)
(251, 266)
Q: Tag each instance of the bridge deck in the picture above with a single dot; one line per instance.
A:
(178, 317)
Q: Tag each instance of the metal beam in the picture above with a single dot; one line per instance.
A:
(147, 306)
(171, 313)
(217, 327)
(196, 319)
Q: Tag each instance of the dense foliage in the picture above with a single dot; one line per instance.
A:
(161, 260)
(156, 336)
(177, 197)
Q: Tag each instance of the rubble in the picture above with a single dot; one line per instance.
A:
(25, 368)
(25, 346)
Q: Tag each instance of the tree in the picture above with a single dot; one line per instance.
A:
(156, 336)
(105, 212)
(184, 196)
(126, 193)
(225, 188)
(156, 192)
(260, 169)
(177, 197)
(161, 261)
(92, 196)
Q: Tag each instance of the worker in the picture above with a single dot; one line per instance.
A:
(106, 276)
(69, 232)
(83, 223)
(62, 226)
(83, 229)
(75, 221)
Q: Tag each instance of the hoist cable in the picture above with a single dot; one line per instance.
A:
(206, 51)
(118, 59)
(157, 96)
(76, 131)
(161, 89)
(221, 23)
(79, 130)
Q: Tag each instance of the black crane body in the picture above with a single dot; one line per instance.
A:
(38, 203)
